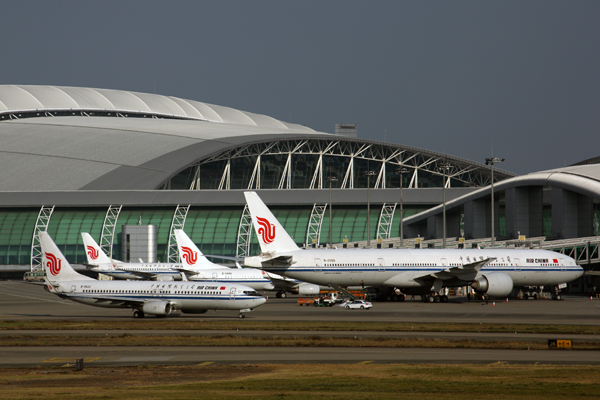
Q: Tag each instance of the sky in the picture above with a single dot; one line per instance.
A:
(518, 80)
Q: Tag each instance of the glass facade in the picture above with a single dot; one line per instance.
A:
(239, 168)
(213, 229)
(16, 232)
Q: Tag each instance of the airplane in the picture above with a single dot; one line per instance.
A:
(99, 262)
(490, 272)
(146, 297)
(197, 267)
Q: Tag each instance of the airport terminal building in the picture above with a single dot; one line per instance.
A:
(105, 161)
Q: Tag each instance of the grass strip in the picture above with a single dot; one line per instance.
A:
(277, 341)
(248, 325)
(301, 381)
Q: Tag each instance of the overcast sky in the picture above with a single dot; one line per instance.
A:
(460, 77)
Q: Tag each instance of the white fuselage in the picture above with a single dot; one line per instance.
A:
(250, 277)
(128, 270)
(185, 296)
(407, 267)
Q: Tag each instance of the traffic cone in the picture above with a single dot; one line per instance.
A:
(494, 304)
(507, 299)
(591, 298)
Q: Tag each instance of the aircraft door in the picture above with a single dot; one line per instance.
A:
(517, 263)
(444, 262)
(318, 265)
(381, 264)
(214, 276)
(232, 294)
(562, 264)
(73, 288)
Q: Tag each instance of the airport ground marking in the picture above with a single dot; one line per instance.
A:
(70, 359)
(205, 363)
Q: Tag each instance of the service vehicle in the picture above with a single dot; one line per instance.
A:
(361, 304)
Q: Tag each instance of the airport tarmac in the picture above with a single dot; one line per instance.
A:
(19, 301)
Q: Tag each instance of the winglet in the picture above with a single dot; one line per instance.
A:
(271, 235)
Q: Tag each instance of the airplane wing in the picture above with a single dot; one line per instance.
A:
(281, 281)
(30, 282)
(141, 274)
(466, 272)
(279, 260)
(118, 301)
(224, 257)
(187, 271)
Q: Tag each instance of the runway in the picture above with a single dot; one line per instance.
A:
(22, 302)
(131, 356)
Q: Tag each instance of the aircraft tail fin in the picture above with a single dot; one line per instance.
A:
(190, 255)
(55, 263)
(93, 252)
(271, 235)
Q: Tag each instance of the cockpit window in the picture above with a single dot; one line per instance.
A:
(251, 292)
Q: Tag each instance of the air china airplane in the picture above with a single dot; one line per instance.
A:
(197, 267)
(148, 297)
(491, 272)
(98, 261)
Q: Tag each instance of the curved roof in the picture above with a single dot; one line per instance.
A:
(61, 139)
(583, 179)
(69, 147)
(28, 99)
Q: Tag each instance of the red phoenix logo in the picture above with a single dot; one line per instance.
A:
(267, 230)
(189, 256)
(53, 263)
(92, 252)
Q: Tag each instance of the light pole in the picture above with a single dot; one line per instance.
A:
(491, 161)
(368, 174)
(444, 168)
(401, 171)
(330, 179)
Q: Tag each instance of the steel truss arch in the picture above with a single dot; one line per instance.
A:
(244, 235)
(384, 226)
(108, 229)
(41, 225)
(178, 222)
(313, 233)
(385, 157)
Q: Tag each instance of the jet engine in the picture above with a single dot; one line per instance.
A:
(158, 308)
(494, 284)
(306, 289)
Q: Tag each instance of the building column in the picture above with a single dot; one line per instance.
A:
(572, 214)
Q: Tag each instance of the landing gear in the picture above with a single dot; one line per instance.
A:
(556, 293)
(242, 315)
(435, 298)
(138, 313)
(280, 295)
